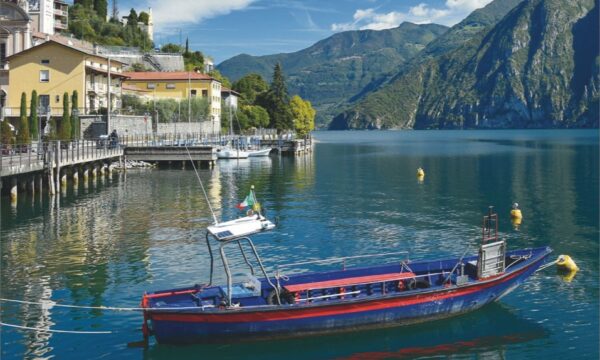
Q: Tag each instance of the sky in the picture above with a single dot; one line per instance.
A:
(222, 29)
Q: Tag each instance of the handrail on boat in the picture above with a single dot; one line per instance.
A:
(341, 259)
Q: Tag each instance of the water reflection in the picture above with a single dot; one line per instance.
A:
(107, 243)
(487, 333)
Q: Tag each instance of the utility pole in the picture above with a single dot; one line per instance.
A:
(109, 100)
(189, 97)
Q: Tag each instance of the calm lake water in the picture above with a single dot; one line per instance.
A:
(356, 194)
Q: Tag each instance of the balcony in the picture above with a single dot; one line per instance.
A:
(60, 25)
(96, 87)
(61, 12)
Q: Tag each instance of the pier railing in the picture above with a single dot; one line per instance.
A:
(23, 158)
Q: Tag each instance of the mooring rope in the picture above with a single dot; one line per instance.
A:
(53, 330)
(50, 303)
(547, 265)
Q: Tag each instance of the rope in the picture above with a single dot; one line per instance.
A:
(547, 265)
(202, 186)
(49, 303)
(53, 330)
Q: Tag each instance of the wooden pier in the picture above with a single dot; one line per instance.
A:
(30, 167)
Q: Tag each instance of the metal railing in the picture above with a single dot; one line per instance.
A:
(21, 158)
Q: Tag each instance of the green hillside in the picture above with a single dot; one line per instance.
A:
(537, 67)
(337, 68)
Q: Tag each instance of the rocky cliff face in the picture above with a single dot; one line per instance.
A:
(537, 67)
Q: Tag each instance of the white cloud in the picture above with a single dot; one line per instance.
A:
(451, 13)
(176, 12)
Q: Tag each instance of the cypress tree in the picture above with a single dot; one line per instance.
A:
(101, 8)
(33, 115)
(74, 117)
(276, 102)
(23, 136)
(64, 132)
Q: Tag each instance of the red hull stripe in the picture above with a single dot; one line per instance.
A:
(358, 280)
(302, 313)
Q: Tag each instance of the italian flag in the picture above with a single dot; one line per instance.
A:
(248, 201)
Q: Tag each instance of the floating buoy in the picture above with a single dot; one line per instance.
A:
(515, 213)
(420, 173)
(565, 262)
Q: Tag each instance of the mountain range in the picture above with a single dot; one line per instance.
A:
(337, 68)
(511, 64)
(537, 67)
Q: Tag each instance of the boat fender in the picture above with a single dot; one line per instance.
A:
(285, 296)
(565, 262)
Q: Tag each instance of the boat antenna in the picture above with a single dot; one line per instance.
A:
(202, 186)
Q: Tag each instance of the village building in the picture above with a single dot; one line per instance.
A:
(53, 69)
(177, 85)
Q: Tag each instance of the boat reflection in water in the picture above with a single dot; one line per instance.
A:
(489, 332)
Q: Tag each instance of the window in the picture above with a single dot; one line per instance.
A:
(151, 86)
(44, 75)
(45, 61)
(170, 86)
(194, 93)
(204, 93)
(44, 103)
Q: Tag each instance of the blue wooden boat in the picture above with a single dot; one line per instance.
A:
(396, 293)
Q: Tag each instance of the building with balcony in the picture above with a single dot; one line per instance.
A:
(49, 16)
(53, 68)
(176, 85)
(15, 36)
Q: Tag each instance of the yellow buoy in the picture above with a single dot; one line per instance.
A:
(565, 262)
(515, 213)
(420, 173)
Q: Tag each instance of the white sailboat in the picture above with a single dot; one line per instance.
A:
(229, 152)
(260, 152)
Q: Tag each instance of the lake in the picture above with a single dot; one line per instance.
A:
(106, 243)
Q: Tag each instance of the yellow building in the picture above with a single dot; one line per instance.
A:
(53, 68)
(176, 85)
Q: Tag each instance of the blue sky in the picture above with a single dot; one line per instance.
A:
(225, 28)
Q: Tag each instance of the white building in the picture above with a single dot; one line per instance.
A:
(49, 16)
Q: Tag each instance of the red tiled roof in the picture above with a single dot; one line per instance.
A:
(167, 75)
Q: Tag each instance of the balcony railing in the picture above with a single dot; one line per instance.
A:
(60, 25)
(61, 12)
(42, 113)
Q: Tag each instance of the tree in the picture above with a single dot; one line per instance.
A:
(64, 132)
(132, 19)
(194, 60)
(6, 134)
(303, 115)
(171, 48)
(275, 100)
(144, 18)
(75, 115)
(101, 8)
(258, 117)
(187, 46)
(218, 76)
(23, 135)
(249, 87)
(33, 115)
(86, 3)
